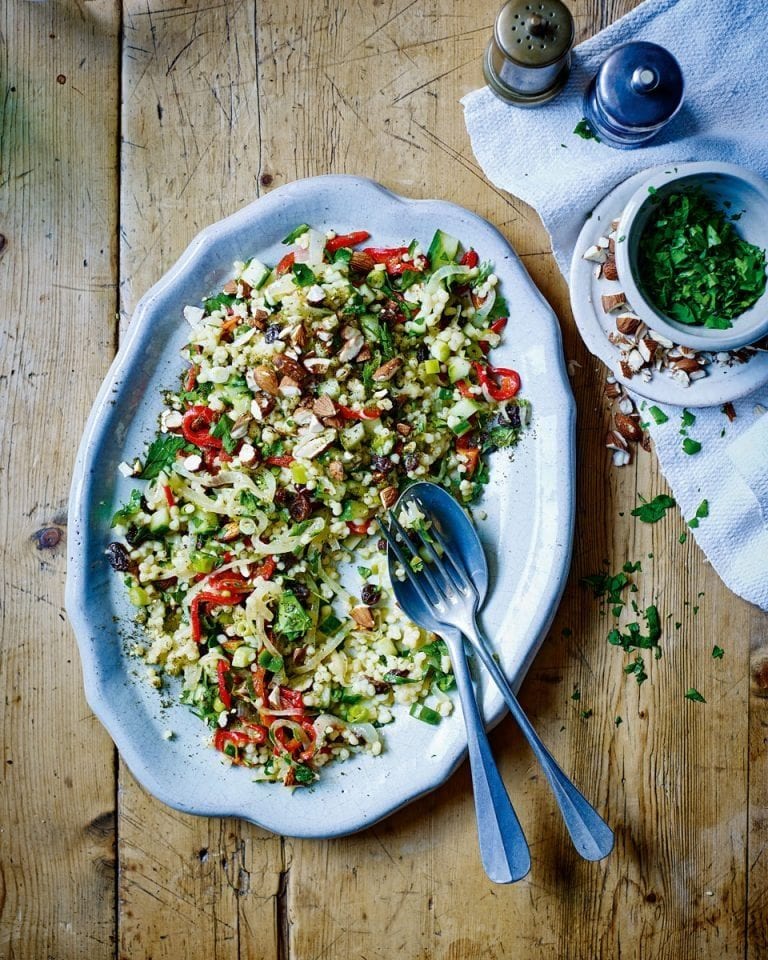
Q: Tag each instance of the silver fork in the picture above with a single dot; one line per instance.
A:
(444, 586)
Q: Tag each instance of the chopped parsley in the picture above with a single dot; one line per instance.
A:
(658, 415)
(695, 266)
(702, 511)
(717, 652)
(652, 511)
(585, 131)
(693, 694)
(691, 446)
(161, 455)
(293, 621)
(128, 510)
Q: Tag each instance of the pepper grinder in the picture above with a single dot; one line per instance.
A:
(529, 56)
(635, 93)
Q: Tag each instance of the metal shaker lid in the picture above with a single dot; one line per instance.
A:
(534, 34)
(639, 85)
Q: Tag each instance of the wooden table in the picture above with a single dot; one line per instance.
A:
(125, 131)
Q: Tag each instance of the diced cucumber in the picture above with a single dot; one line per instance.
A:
(352, 436)
(462, 427)
(243, 656)
(255, 274)
(463, 409)
(431, 367)
(354, 510)
(369, 324)
(383, 443)
(299, 472)
(440, 350)
(160, 520)
(203, 523)
(442, 250)
(458, 369)
(202, 562)
(138, 596)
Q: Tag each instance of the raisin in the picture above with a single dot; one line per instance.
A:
(422, 353)
(119, 559)
(300, 590)
(383, 464)
(370, 595)
(272, 333)
(381, 545)
(513, 416)
(411, 462)
(300, 508)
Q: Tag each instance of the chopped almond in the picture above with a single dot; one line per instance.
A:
(363, 618)
(324, 407)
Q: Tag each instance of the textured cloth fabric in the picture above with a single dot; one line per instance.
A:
(534, 154)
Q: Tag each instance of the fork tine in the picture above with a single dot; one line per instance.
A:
(459, 576)
(409, 572)
(454, 579)
(439, 593)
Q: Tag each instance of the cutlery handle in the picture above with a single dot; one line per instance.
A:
(591, 835)
(503, 847)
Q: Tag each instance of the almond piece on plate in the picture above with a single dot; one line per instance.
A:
(627, 323)
(265, 380)
(363, 618)
(324, 407)
(610, 272)
(388, 496)
(387, 370)
(612, 302)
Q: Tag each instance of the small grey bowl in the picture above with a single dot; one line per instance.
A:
(726, 183)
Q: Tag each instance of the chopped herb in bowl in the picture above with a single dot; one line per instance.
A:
(694, 265)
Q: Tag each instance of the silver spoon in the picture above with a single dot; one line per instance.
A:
(445, 595)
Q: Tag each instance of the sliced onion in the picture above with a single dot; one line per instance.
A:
(334, 585)
(487, 305)
(367, 731)
(325, 651)
(288, 712)
(316, 248)
(449, 270)
(297, 733)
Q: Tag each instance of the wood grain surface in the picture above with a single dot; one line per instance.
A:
(123, 131)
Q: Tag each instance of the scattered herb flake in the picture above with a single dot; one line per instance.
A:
(683, 537)
(688, 419)
(658, 415)
(693, 694)
(717, 652)
(691, 446)
(618, 722)
(585, 714)
(653, 510)
(576, 695)
(585, 131)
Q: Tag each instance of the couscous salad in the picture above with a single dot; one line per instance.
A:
(315, 392)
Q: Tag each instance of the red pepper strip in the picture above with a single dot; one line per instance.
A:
(384, 254)
(170, 499)
(463, 387)
(466, 447)
(346, 240)
(285, 264)
(256, 733)
(227, 599)
(222, 669)
(498, 325)
(284, 461)
(499, 382)
(228, 580)
(309, 728)
(266, 569)
(291, 698)
(196, 427)
(369, 413)
(290, 778)
(470, 259)
(237, 738)
(189, 383)
(358, 526)
(259, 688)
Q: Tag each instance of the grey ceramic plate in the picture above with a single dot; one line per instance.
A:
(527, 533)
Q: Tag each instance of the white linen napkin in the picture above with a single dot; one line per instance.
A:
(534, 154)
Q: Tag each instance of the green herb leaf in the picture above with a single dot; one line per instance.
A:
(654, 510)
(618, 722)
(717, 652)
(303, 275)
(128, 510)
(270, 662)
(683, 537)
(576, 695)
(691, 446)
(161, 455)
(585, 714)
(296, 233)
(693, 694)
(585, 131)
(219, 301)
(364, 572)
(223, 430)
(293, 621)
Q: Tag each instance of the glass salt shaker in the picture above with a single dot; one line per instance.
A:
(636, 92)
(528, 59)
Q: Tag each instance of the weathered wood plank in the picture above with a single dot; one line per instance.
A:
(191, 154)
(58, 270)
